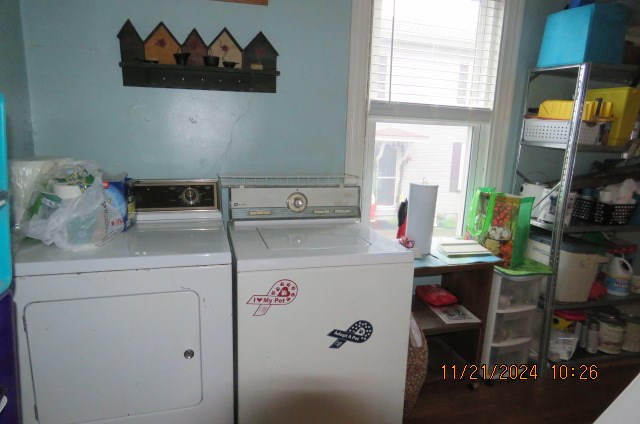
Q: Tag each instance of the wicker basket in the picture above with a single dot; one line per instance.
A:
(416, 366)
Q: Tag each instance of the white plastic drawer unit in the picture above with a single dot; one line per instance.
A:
(509, 354)
(517, 293)
(510, 318)
(513, 326)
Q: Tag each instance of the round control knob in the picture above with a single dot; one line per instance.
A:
(190, 196)
(297, 202)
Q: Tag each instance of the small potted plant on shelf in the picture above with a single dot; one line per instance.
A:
(210, 59)
(182, 55)
(226, 49)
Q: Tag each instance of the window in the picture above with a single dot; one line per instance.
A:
(433, 77)
(419, 153)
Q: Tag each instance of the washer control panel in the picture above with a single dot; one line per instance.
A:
(260, 203)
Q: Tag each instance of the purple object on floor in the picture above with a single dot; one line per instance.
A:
(8, 370)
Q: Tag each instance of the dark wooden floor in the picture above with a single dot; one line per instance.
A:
(543, 401)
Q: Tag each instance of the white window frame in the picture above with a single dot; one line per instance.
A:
(489, 142)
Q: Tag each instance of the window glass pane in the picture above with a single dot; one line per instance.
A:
(421, 154)
(436, 52)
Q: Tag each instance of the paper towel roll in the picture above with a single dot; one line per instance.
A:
(67, 191)
(421, 216)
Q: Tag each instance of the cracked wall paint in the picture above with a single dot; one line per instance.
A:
(80, 108)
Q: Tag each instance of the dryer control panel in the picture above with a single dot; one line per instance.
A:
(174, 195)
(261, 203)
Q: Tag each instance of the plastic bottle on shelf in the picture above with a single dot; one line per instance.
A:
(619, 273)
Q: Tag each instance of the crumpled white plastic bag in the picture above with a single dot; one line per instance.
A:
(69, 208)
(620, 194)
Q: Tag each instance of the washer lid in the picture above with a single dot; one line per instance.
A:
(311, 238)
(149, 245)
(312, 246)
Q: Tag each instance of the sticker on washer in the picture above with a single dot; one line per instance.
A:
(282, 292)
(359, 332)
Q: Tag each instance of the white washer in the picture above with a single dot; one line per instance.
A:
(138, 331)
(323, 309)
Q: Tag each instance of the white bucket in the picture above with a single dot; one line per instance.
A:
(534, 190)
(619, 273)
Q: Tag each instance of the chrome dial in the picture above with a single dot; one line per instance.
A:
(297, 202)
(190, 196)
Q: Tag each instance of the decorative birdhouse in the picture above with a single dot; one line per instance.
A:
(160, 45)
(227, 48)
(259, 54)
(131, 44)
(159, 61)
(195, 45)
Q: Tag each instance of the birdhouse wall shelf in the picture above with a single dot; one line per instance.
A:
(162, 61)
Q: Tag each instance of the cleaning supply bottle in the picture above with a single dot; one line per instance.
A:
(619, 273)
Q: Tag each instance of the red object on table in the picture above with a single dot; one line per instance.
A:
(435, 295)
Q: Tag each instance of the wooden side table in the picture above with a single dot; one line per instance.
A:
(452, 344)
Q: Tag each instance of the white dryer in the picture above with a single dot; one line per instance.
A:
(323, 309)
(138, 331)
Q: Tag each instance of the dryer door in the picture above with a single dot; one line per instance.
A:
(114, 356)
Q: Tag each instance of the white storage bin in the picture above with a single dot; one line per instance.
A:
(513, 326)
(516, 293)
(577, 268)
(509, 354)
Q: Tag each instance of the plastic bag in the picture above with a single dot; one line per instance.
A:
(69, 208)
(24, 175)
(500, 222)
(562, 345)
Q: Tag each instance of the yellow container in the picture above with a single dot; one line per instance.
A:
(563, 109)
(625, 107)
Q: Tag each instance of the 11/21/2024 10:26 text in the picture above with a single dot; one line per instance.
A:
(473, 372)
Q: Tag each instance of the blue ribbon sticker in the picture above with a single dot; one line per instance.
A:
(359, 332)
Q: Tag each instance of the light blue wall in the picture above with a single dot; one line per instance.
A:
(13, 80)
(535, 17)
(80, 108)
